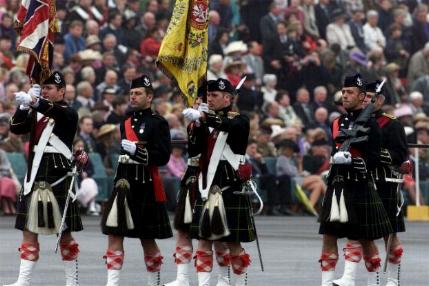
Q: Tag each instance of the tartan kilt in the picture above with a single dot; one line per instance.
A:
(49, 173)
(389, 196)
(180, 207)
(238, 214)
(367, 218)
(150, 218)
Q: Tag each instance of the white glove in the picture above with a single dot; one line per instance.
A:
(128, 146)
(35, 90)
(342, 158)
(23, 98)
(191, 114)
(203, 107)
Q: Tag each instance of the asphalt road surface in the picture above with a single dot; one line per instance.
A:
(290, 249)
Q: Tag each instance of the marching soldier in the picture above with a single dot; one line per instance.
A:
(352, 207)
(220, 212)
(387, 177)
(136, 207)
(188, 194)
(52, 125)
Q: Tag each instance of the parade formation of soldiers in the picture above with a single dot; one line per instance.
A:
(362, 202)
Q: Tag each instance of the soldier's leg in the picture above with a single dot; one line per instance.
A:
(69, 252)
(372, 261)
(153, 260)
(328, 259)
(204, 262)
(394, 262)
(114, 259)
(223, 259)
(240, 261)
(29, 254)
(183, 256)
(352, 257)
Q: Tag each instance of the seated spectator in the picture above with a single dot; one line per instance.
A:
(70, 97)
(176, 166)
(8, 187)
(74, 42)
(417, 104)
(374, 37)
(151, 43)
(88, 188)
(302, 107)
(215, 69)
(338, 32)
(265, 147)
(286, 113)
(419, 64)
(356, 28)
(108, 140)
(269, 88)
(266, 181)
(290, 163)
(117, 115)
(321, 120)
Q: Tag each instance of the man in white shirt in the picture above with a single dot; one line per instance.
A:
(373, 35)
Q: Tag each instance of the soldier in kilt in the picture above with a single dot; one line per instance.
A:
(387, 176)
(136, 207)
(220, 214)
(52, 125)
(352, 207)
(187, 197)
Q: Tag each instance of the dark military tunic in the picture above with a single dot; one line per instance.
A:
(53, 166)
(149, 215)
(395, 142)
(237, 207)
(367, 218)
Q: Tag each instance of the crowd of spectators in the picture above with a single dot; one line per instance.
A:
(295, 54)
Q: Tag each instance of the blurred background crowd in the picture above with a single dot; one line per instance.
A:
(295, 54)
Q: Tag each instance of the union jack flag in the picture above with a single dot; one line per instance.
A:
(36, 25)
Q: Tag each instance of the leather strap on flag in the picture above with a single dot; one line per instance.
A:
(158, 187)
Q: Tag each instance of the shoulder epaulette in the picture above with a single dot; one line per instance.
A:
(232, 114)
(388, 115)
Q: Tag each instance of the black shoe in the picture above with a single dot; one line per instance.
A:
(273, 211)
(286, 211)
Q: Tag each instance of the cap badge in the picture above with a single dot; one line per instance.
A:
(222, 85)
(57, 78)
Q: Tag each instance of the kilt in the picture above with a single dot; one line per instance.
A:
(189, 183)
(51, 169)
(150, 218)
(238, 214)
(368, 219)
(389, 195)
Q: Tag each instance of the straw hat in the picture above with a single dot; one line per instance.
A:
(92, 40)
(237, 46)
(106, 129)
(392, 67)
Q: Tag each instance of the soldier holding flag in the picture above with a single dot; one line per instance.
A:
(52, 125)
(187, 196)
(221, 213)
(136, 207)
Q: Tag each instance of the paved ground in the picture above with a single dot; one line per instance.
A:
(291, 248)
